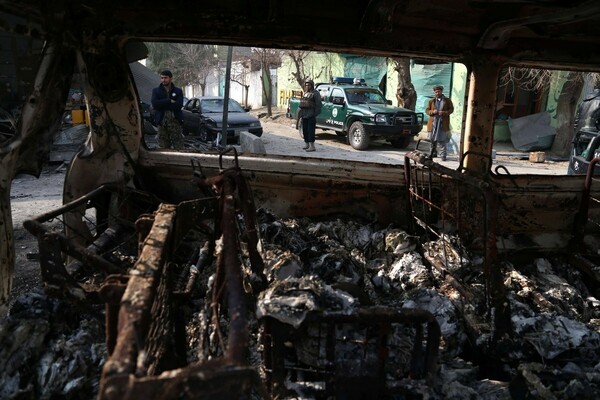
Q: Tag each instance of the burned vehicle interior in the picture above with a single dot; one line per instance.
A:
(223, 275)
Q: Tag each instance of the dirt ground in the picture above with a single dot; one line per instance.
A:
(31, 197)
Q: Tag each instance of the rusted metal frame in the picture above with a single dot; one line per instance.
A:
(68, 247)
(589, 267)
(139, 296)
(111, 292)
(203, 257)
(164, 350)
(377, 318)
(433, 169)
(409, 189)
(105, 245)
(215, 185)
(449, 278)
(579, 257)
(235, 158)
(273, 337)
(380, 315)
(192, 214)
(219, 375)
(54, 272)
(53, 269)
(73, 204)
(50, 243)
(582, 217)
(228, 279)
(480, 115)
(35, 226)
(495, 290)
(234, 194)
(237, 344)
(251, 226)
(415, 187)
(208, 381)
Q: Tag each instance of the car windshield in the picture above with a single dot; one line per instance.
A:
(216, 106)
(363, 96)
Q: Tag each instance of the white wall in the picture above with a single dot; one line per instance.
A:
(235, 89)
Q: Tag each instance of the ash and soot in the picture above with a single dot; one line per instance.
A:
(349, 309)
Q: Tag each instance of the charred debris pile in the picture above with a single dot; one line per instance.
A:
(331, 308)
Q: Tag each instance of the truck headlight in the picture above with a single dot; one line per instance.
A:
(381, 118)
(254, 124)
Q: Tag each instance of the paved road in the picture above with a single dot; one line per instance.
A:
(281, 137)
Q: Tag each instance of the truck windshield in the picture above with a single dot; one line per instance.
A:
(363, 96)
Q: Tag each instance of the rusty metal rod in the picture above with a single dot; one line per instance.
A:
(71, 248)
(72, 205)
(236, 301)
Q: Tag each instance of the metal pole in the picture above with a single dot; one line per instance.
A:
(226, 97)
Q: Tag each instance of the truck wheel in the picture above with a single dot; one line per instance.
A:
(401, 143)
(357, 136)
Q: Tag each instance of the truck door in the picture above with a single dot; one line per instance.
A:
(338, 109)
(326, 106)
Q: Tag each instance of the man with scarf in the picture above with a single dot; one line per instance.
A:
(439, 109)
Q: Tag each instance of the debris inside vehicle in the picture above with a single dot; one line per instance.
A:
(336, 307)
(212, 274)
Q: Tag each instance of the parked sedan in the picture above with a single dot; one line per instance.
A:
(203, 117)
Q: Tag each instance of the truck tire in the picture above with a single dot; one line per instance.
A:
(401, 143)
(357, 136)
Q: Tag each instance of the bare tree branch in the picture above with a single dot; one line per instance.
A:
(267, 58)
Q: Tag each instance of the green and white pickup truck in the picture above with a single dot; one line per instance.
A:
(362, 113)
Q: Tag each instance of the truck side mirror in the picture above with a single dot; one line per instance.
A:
(338, 101)
(388, 102)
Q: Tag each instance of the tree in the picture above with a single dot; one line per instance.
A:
(267, 58)
(191, 64)
(406, 95)
(241, 70)
(303, 71)
(241, 76)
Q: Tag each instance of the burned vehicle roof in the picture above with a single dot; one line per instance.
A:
(543, 32)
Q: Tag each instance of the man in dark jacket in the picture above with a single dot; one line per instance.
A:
(167, 101)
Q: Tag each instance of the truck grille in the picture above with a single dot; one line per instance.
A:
(403, 120)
